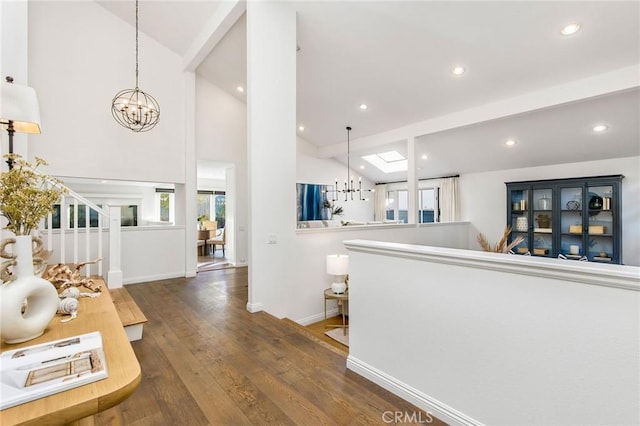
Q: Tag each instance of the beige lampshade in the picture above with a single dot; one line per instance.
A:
(19, 104)
(337, 264)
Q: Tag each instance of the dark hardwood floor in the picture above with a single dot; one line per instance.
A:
(207, 361)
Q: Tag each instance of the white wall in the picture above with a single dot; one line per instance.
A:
(14, 46)
(221, 136)
(484, 197)
(484, 338)
(80, 56)
(310, 169)
(305, 301)
(148, 253)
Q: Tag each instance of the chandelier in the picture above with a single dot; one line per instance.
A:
(133, 108)
(349, 187)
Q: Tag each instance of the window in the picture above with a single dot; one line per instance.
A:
(82, 216)
(391, 206)
(204, 204)
(128, 216)
(398, 205)
(403, 206)
(427, 205)
(220, 206)
(165, 205)
(212, 205)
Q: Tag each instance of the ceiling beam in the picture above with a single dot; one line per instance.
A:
(227, 13)
(574, 91)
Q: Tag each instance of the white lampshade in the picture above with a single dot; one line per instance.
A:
(337, 264)
(19, 104)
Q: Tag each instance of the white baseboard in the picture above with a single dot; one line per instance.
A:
(317, 317)
(147, 278)
(414, 396)
(254, 307)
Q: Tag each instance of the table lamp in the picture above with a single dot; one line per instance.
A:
(19, 111)
(338, 265)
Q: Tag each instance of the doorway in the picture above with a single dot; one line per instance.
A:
(212, 207)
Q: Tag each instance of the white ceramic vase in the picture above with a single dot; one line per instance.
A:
(40, 295)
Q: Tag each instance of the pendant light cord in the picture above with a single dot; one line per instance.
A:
(348, 155)
(136, 44)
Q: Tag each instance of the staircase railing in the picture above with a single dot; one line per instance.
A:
(68, 219)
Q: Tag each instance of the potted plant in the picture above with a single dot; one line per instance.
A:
(333, 209)
(201, 219)
(26, 197)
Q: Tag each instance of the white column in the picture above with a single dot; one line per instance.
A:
(230, 225)
(271, 153)
(412, 181)
(186, 195)
(114, 276)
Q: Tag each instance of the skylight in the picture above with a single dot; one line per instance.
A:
(388, 162)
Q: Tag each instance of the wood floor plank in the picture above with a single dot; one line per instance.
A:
(206, 360)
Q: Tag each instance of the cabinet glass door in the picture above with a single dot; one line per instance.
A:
(519, 199)
(571, 222)
(542, 213)
(600, 223)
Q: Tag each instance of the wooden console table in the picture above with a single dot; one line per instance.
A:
(81, 403)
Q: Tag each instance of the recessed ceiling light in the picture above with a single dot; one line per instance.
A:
(459, 70)
(362, 167)
(600, 128)
(240, 89)
(570, 28)
(424, 156)
(510, 142)
(301, 128)
(363, 106)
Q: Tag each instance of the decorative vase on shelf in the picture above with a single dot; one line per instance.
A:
(522, 224)
(27, 302)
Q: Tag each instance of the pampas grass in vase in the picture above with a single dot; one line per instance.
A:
(501, 246)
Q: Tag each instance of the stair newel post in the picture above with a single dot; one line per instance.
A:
(114, 276)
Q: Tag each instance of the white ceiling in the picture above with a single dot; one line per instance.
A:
(395, 56)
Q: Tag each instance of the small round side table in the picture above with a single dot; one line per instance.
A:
(341, 298)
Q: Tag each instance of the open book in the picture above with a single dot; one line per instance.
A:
(37, 371)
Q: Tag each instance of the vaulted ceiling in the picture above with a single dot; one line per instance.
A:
(396, 57)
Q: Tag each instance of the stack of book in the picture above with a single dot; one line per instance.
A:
(37, 371)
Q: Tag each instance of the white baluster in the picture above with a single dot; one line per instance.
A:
(87, 238)
(75, 230)
(64, 221)
(100, 231)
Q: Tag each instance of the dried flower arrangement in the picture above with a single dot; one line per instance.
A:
(25, 196)
(501, 246)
